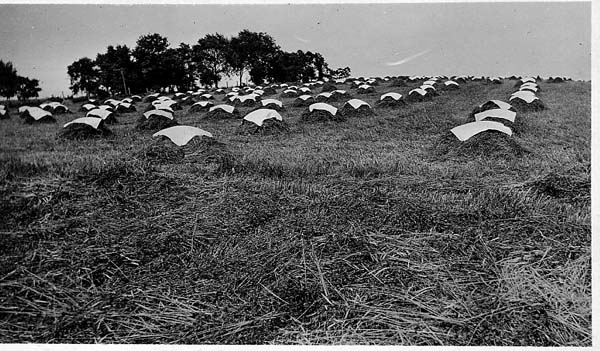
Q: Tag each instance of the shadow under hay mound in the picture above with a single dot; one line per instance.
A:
(523, 106)
(30, 120)
(362, 111)
(571, 185)
(220, 114)
(328, 87)
(486, 144)
(269, 127)
(202, 152)
(320, 116)
(198, 108)
(155, 123)
(81, 131)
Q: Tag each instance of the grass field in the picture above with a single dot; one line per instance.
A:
(337, 233)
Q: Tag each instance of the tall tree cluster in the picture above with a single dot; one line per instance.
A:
(11, 83)
(154, 64)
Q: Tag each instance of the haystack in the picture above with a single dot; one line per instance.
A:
(573, 184)
(87, 107)
(323, 97)
(339, 95)
(222, 112)
(4, 112)
(417, 95)
(321, 112)
(268, 91)
(151, 97)
(397, 82)
(303, 100)
(523, 105)
(556, 80)
(201, 106)
(328, 87)
(289, 93)
(271, 104)
(491, 143)
(264, 122)
(84, 128)
(356, 108)
(32, 115)
(451, 85)
(391, 100)
(365, 89)
(107, 116)
(156, 120)
(491, 105)
(250, 100)
(125, 108)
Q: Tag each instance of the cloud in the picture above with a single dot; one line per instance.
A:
(407, 59)
(302, 40)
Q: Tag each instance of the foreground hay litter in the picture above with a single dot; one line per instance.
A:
(572, 185)
(269, 127)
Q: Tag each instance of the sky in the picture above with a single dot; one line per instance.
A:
(546, 39)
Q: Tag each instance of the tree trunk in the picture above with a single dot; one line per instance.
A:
(241, 75)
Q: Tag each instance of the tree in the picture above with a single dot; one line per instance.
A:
(84, 75)
(210, 56)
(116, 69)
(339, 73)
(8, 79)
(150, 53)
(27, 88)
(251, 49)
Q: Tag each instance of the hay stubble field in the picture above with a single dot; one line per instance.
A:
(354, 232)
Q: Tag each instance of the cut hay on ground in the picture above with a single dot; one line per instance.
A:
(572, 185)
(522, 105)
(485, 144)
(270, 126)
(320, 116)
(155, 123)
(28, 119)
(362, 111)
(81, 131)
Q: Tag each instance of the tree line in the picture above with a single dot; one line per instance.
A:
(11, 83)
(153, 64)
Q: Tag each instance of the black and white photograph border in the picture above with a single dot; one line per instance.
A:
(458, 213)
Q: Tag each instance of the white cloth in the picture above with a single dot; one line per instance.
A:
(356, 103)
(93, 122)
(99, 113)
(466, 131)
(181, 135)
(259, 116)
(162, 113)
(497, 113)
(223, 107)
(324, 107)
(394, 96)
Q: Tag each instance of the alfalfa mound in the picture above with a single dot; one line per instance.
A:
(388, 102)
(303, 103)
(268, 91)
(320, 116)
(347, 111)
(487, 106)
(161, 150)
(573, 184)
(155, 123)
(271, 106)
(81, 131)
(398, 83)
(328, 87)
(523, 106)
(208, 155)
(489, 144)
(270, 126)
(220, 114)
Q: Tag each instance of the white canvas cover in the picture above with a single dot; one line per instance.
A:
(293, 87)
(38, 113)
(23, 108)
(340, 81)
(259, 116)
(179, 94)
(527, 98)
(528, 79)
(136, 97)
(235, 89)
(223, 107)
(356, 103)
(283, 85)
(426, 87)
(498, 113)
(450, 82)
(112, 102)
(93, 122)
(259, 92)
(243, 98)
(418, 91)
(290, 91)
(127, 100)
(162, 113)
(327, 95)
(265, 102)
(202, 103)
(219, 91)
(305, 90)
(233, 93)
(99, 113)
(394, 96)
(207, 96)
(501, 104)
(339, 92)
(106, 107)
(164, 108)
(88, 107)
(364, 86)
(323, 106)
(466, 131)
(44, 105)
(154, 95)
(181, 135)
(163, 98)
(125, 104)
(429, 82)
(167, 102)
(304, 97)
(2, 107)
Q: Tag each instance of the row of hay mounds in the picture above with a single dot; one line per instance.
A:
(498, 111)
(355, 108)
(31, 115)
(391, 99)
(54, 107)
(525, 98)
(84, 128)
(223, 111)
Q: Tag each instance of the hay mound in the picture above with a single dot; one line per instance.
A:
(362, 111)
(415, 97)
(268, 91)
(390, 103)
(523, 106)
(198, 108)
(398, 83)
(556, 80)
(328, 87)
(269, 127)
(573, 185)
(303, 103)
(161, 151)
(220, 114)
(5, 115)
(80, 131)
(320, 116)
(271, 106)
(246, 103)
(30, 120)
(368, 90)
(486, 144)
(155, 123)
(487, 106)
(289, 94)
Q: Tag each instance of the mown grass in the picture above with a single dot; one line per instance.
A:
(335, 233)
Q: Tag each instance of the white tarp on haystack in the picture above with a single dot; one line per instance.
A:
(181, 135)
